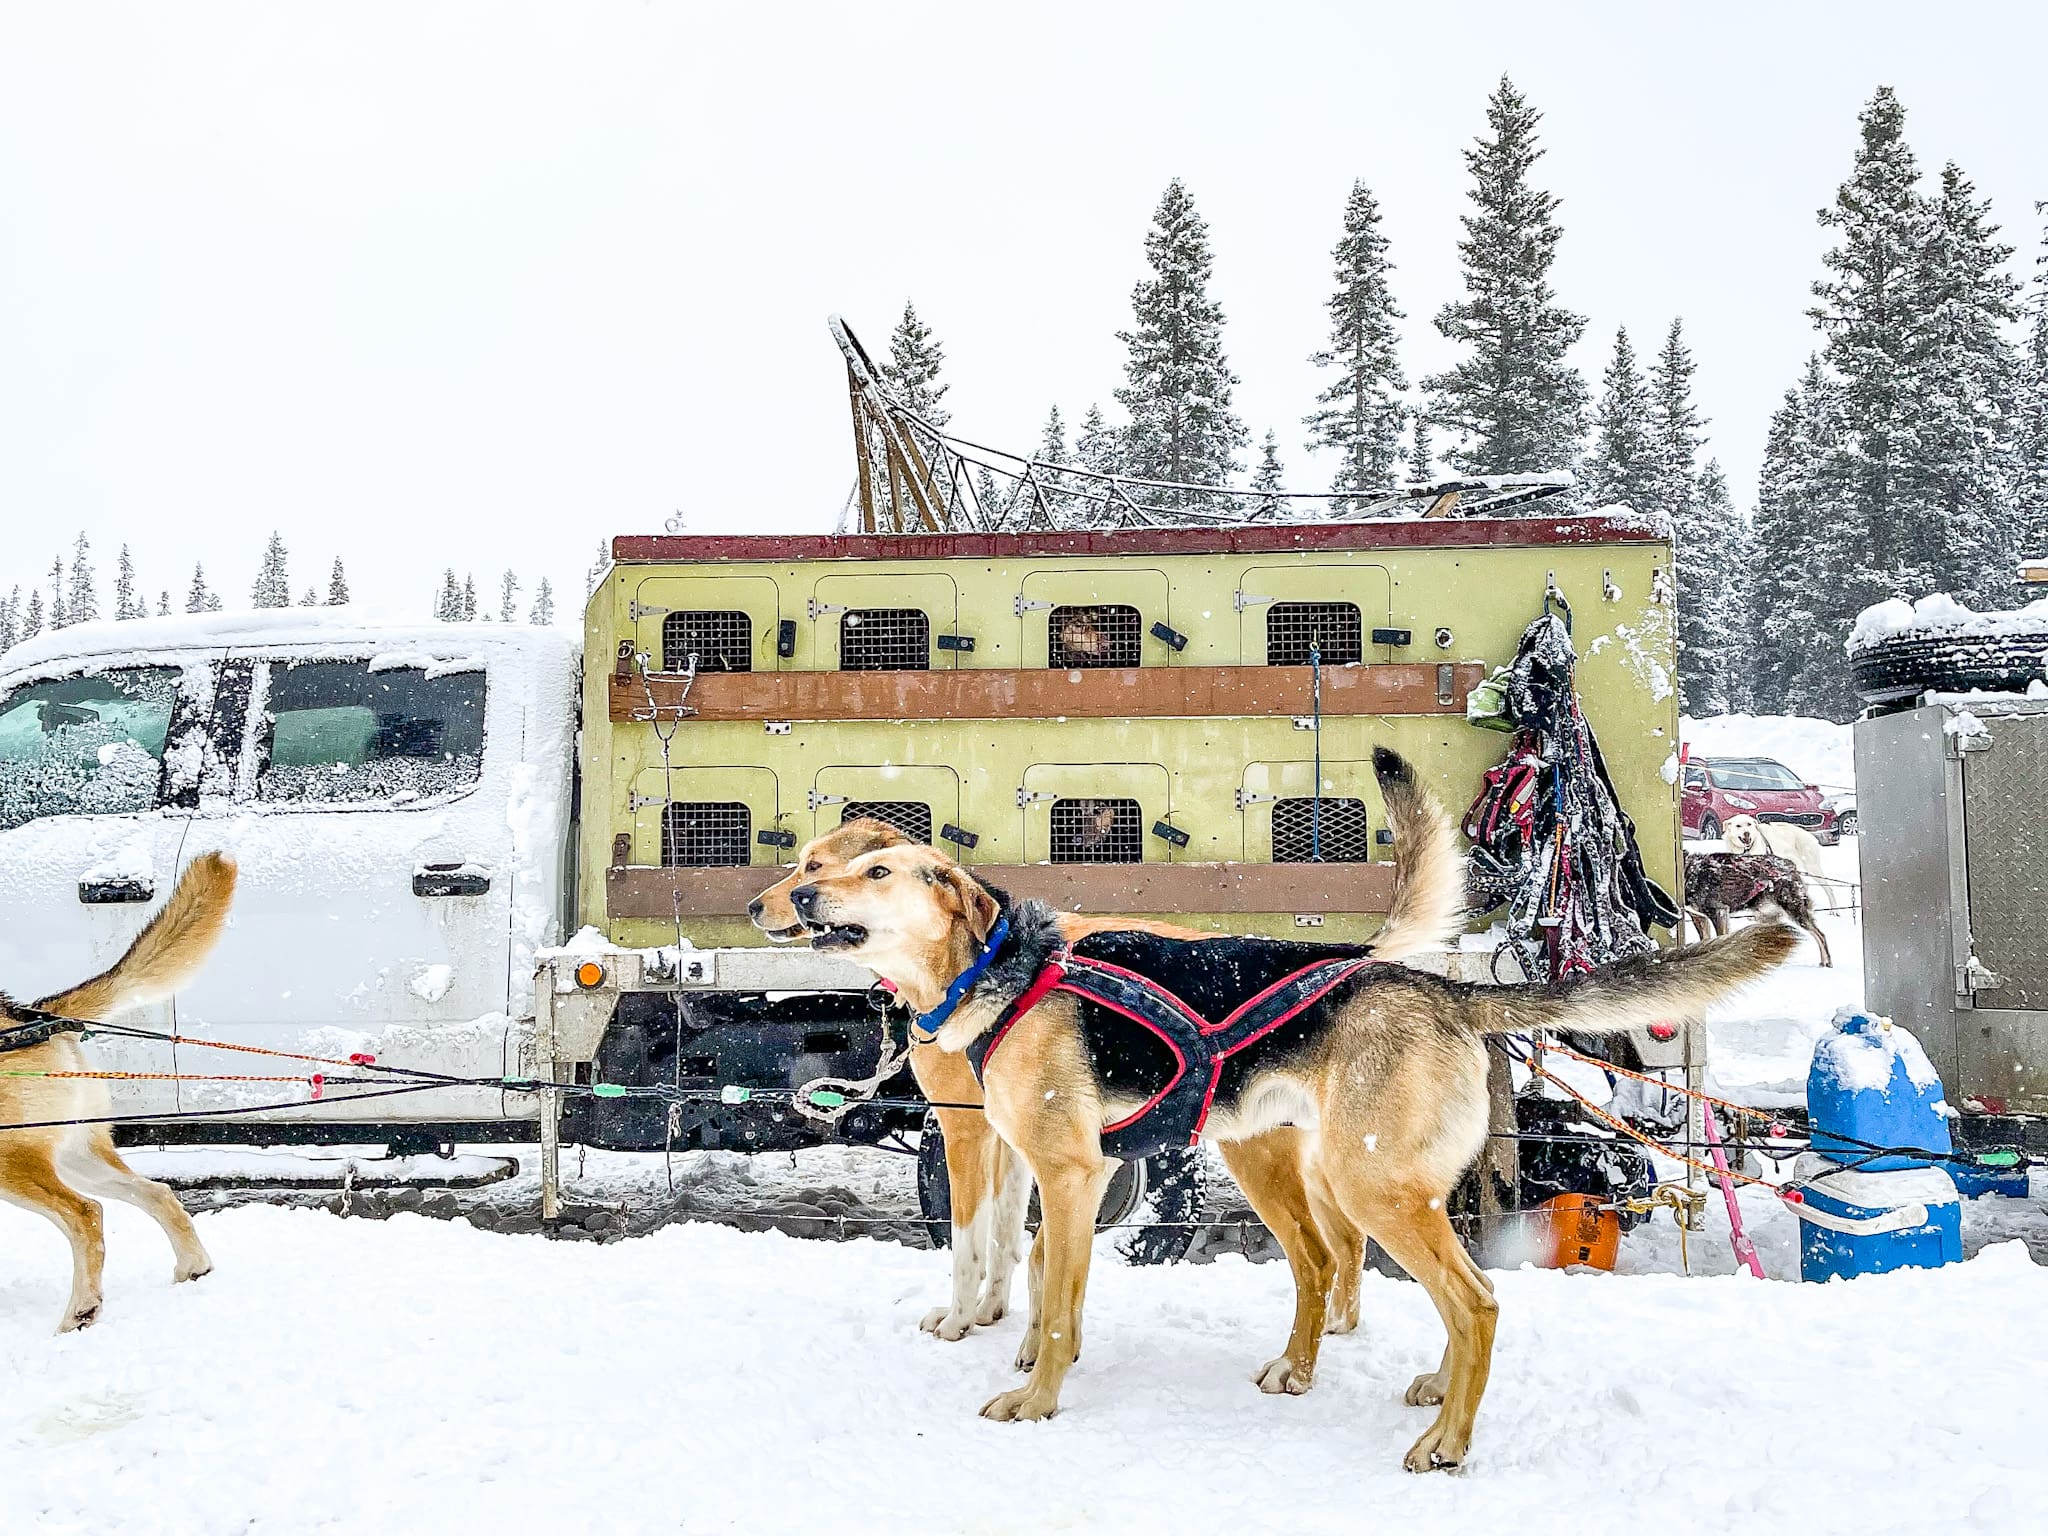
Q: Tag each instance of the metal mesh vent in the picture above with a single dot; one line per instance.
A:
(706, 834)
(1093, 635)
(913, 818)
(1343, 836)
(885, 640)
(1292, 627)
(1092, 831)
(721, 639)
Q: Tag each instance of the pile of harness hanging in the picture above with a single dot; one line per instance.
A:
(1550, 841)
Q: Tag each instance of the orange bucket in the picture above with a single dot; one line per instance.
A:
(1581, 1232)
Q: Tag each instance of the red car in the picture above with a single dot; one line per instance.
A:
(1718, 789)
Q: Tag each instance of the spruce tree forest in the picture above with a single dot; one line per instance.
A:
(1910, 455)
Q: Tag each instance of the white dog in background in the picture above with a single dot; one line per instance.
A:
(1796, 845)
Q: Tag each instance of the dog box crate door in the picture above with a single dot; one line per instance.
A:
(1086, 619)
(917, 799)
(1280, 608)
(1096, 813)
(704, 817)
(885, 622)
(1283, 824)
(729, 621)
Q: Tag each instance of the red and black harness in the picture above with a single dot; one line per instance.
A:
(1127, 1017)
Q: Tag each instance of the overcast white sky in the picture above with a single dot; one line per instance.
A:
(433, 284)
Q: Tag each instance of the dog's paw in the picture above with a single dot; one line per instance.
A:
(1436, 1451)
(1341, 1322)
(1020, 1404)
(1283, 1375)
(993, 1309)
(1426, 1391)
(1027, 1350)
(84, 1317)
(199, 1272)
(947, 1324)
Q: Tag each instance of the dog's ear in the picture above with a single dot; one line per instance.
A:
(976, 904)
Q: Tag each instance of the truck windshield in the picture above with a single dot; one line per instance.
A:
(82, 746)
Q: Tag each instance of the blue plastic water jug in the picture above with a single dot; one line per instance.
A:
(1871, 1085)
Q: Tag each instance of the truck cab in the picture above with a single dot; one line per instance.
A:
(397, 798)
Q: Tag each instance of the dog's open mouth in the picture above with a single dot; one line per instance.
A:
(787, 935)
(836, 935)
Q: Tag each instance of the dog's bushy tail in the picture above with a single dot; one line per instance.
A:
(165, 955)
(1643, 989)
(1429, 892)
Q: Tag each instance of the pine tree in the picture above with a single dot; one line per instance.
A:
(543, 604)
(1421, 456)
(1519, 405)
(1267, 479)
(1711, 620)
(469, 598)
(595, 575)
(2030, 426)
(10, 619)
(912, 372)
(273, 587)
(59, 615)
(337, 586)
(1097, 448)
(32, 615)
(163, 604)
(508, 598)
(448, 606)
(197, 599)
(1621, 467)
(126, 604)
(311, 599)
(1362, 409)
(82, 605)
(1802, 501)
(1177, 381)
(994, 504)
(1675, 429)
(1053, 451)
(1962, 455)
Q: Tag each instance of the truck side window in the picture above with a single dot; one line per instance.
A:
(1087, 830)
(1093, 635)
(1334, 833)
(885, 640)
(1334, 627)
(913, 818)
(706, 834)
(84, 746)
(722, 640)
(336, 731)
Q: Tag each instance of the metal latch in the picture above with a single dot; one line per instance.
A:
(1446, 684)
(638, 610)
(1979, 977)
(1960, 743)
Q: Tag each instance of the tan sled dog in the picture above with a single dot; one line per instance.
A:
(991, 1187)
(1383, 1076)
(56, 1170)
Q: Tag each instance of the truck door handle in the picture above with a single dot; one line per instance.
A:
(450, 880)
(104, 893)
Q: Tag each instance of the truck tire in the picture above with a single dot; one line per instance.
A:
(1898, 670)
(1155, 1202)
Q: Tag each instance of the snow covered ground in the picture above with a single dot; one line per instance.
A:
(418, 1376)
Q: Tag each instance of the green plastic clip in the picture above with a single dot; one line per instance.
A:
(608, 1090)
(2003, 1157)
(826, 1098)
(732, 1093)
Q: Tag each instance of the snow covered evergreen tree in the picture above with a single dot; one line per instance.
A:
(543, 604)
(595, 575)
(127, 604)
(1711, 613)
(1421, 453)
(163, 604)
(1053, 450)
(1961, 454)
(60, 616)
(337, 586)
(993, 498)
(1675, 429)
(1518, 405)
(32, 615)
(196, 597)
(469, 598)
(1266, 480)
(508, 598)
(82, 603)
(1052, 439)
(2030, 427)
(1802, 501)
(1177, 381)
(273, 587)
(912, 372)
(1361, 412)
(448, 606)
(10, 619)
(1622, 466)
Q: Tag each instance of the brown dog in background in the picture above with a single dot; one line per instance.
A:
(1381, 1091)
(55, 1170)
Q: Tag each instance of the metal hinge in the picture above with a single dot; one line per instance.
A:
(1029, 605)
(1028, 797)
(818, 610)
(1242, 600)
(641, 802)
(817, 799)
(637, 610)
(1245, 797)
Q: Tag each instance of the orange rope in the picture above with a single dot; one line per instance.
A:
(160, 1077)
(1644, 1077)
